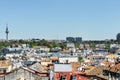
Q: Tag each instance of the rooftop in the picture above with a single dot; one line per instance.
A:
(4, 63)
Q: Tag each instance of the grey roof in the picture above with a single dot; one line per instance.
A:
(37, 67)
(62, 68)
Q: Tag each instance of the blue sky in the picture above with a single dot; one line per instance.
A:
(57, 19)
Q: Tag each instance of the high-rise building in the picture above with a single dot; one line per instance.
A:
(70, 39)
(118, 37)
(78, 39)
(74, 39)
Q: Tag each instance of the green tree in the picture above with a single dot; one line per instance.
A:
(107, 46)
(50, 45)
(77, 45)
(80, 59)
(93, 45)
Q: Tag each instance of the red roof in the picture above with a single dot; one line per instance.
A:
(83, 78)
(2, 74)
(77, 72)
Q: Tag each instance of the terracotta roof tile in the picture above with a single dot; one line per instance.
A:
(107, 63)
(53, 58)
(115, 68)
(97, 71)
(4, 63)
(75, 65)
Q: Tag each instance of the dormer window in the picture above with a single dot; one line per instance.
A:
(3, 62)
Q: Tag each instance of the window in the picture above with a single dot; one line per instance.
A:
(63, 78)
(4, 71)
(73, 78)
(1, 70)
(105, 72)
(3, 62)
(117, 75)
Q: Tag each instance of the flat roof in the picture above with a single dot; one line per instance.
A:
(62, 68)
